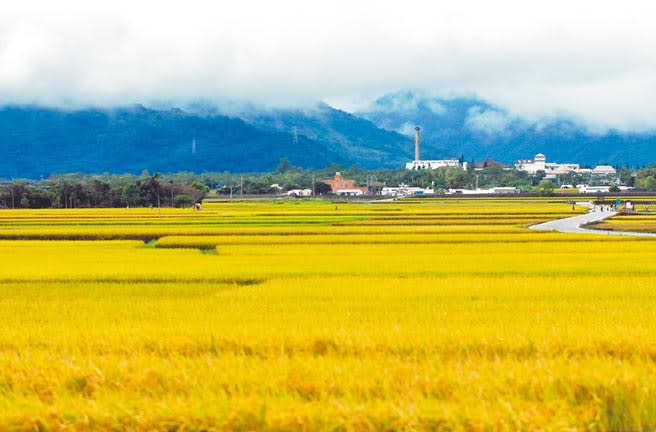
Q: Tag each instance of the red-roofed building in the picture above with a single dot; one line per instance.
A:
(338, 183)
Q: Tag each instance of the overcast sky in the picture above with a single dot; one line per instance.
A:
(593, 60)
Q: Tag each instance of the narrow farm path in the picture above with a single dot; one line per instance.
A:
(574, 224)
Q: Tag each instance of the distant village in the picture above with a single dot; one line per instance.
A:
(550, 171)
(418, 177)
(342, 187)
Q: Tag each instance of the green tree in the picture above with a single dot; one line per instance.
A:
(202, 187)
(130, 195)
(149, 190)
(545, 187)
(98, 192)
(648, 183)
(323, 188)
(182, 200)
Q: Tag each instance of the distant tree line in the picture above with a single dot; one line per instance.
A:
(183, 188)
(76, 190)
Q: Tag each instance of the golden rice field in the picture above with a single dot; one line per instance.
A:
(635, 223)
(311, 315)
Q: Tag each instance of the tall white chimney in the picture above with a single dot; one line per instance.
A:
(417, 143)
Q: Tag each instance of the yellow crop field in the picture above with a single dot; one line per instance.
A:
(636, 223)
(312, 315)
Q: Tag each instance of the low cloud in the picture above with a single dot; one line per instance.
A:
(589, 60)
(407, 129)
(489, 121)
(436, 107)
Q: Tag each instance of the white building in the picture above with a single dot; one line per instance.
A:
(604, 170)
(552, 169)
(435, 164)
(506, 190)
(490, 191)
(469, 191)
(594, 189)
(299, 193)
(405, 191)
(349, 192)
(418, 163)
(532, 166)
(558, 169)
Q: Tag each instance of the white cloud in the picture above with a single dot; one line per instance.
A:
(593, 60)
(435, 107)
(487, 120)
(407, 128)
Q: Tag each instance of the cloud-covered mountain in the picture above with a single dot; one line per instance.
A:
(36, 141)
(477, 129)
(357, 139)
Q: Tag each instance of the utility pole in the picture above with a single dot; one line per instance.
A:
(13, 204)
(111, 192)
(171, 193)
(314, 192)
(241, 185)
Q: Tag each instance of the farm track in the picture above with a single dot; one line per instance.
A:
(575, 224)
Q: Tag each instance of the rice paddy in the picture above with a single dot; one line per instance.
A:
(634, 223)
(311, 315)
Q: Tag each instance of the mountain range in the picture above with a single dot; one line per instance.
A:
(478, 129)
(38, 141)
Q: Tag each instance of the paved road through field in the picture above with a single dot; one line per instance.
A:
(573, 224)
